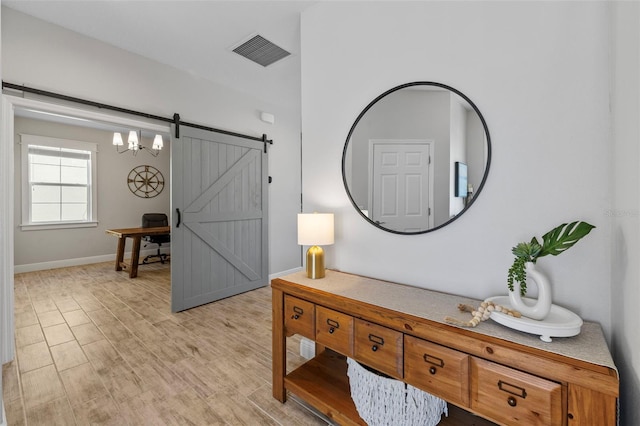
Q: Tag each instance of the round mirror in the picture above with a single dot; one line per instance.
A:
(416, 158)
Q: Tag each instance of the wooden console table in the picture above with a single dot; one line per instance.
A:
(502, 375)
(136, 235)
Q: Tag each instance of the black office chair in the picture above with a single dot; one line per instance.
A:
(152, 220)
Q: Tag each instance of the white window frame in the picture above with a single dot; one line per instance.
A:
(92, 211)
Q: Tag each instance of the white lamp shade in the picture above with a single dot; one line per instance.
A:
(117, 139)
(315, 229)
(133, 139)
(157, 143)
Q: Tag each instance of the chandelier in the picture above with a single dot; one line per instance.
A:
(135, 145)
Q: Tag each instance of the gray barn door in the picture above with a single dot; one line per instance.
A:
(219, 237)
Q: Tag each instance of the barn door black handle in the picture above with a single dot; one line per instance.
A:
(179, 218)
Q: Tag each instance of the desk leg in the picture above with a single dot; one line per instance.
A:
(279, 357)
(135, 257)
(120, 253)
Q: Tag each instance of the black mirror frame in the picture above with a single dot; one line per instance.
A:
(364, 111)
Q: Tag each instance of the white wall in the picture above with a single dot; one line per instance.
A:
(458, 151)
(538, 72)
(48, 57)
(476, 150)
(625, 211)
(6, 269)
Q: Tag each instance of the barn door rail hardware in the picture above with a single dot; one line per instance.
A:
(174, 120)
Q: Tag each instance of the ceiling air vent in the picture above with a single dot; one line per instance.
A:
(261, 51)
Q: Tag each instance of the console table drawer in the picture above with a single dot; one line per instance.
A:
(512, 397)
(379, 347)
(299, 317)
(436, 369)
(334, 330)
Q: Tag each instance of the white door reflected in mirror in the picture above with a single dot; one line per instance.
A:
(401, 182)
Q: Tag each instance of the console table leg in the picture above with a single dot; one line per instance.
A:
(279, 357)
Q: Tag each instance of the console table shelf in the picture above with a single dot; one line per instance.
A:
(323, 383)
(502, 375)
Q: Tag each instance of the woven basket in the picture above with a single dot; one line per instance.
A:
(383, 401)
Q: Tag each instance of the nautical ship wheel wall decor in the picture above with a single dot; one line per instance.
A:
(145, 181)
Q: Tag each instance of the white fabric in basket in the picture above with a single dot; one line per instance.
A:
(382, 401)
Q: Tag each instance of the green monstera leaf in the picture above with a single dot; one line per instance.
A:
(554, 242)
(562, 238)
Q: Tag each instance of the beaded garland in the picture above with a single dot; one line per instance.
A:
(481, 314)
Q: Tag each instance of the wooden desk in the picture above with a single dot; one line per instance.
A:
(136, 235)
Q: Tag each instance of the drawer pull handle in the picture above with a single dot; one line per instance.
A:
(331, 330)
(432, 370)
(512, 401)
(298, 311)
(512, 389)
(333, 324)
(438, 362)
(376, 339)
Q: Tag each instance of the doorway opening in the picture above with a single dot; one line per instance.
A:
(38, 115)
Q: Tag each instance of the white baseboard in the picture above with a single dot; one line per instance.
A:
(31, 267)
(283, 273)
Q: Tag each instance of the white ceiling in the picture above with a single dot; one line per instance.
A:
(194, 36)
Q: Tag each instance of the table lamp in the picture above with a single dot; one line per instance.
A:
(315, 229)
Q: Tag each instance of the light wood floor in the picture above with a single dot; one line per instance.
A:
(95, 347)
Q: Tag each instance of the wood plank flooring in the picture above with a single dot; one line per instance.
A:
(95, 347)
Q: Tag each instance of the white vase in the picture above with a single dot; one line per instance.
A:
(536, 309)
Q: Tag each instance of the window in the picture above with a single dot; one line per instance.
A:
(58, 183)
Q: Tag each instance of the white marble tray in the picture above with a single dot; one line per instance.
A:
(560, 322)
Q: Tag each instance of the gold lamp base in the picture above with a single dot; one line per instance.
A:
(315, 262)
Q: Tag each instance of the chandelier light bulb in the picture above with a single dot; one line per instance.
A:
(133, 140)
(157, 143)
(117, 139)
